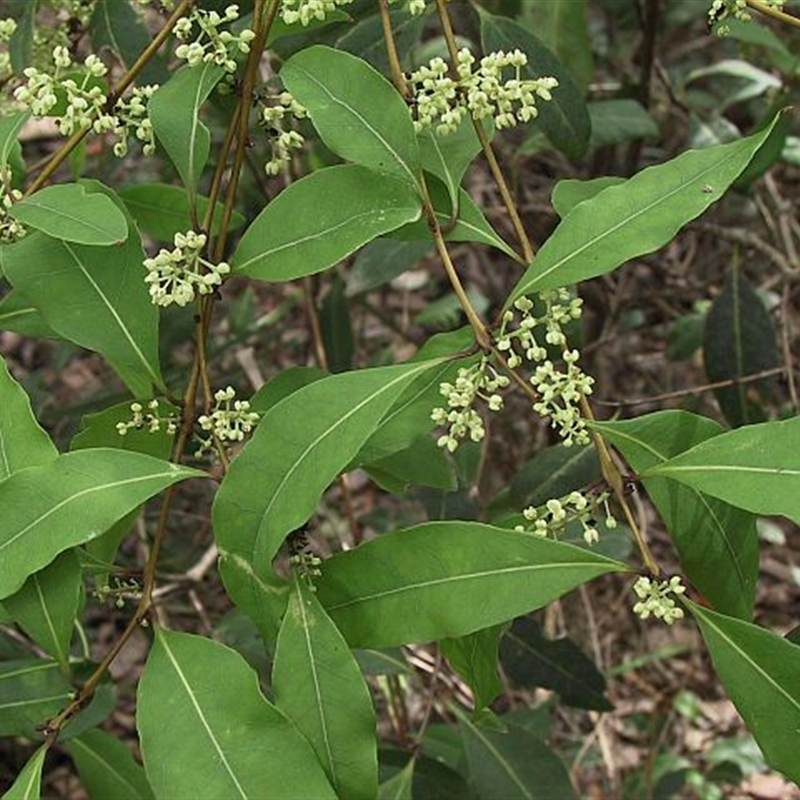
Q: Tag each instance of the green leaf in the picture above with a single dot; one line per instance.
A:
(297, 450)
(563, 25)
(280, 29)
(10, 127)
(282, 385)
(382, 261)
(514, 764)
(199, 706)
(67, 212)
(754, 468)
(554, 472)
(399, 787)
(94, 296)
(31, 692)
(471, 225)
(20, 46)
(620, 120)
(564, 119)
(638, 216)
(345, 207)
(422, 463)
(28, 784)
(569, 192)
(175, 112)
(162, 210)
(47, 604)
(106, 767)
(319, 686)
(23, 443)
(447, 579)
(448, 156)
(717, 543)
(100, 430)
(356, 111)
(18, 314)
(118, 27)
(759, 671)
(739, 341)
(532, 660)
(336, 328)
(71, 500)
(474, 658)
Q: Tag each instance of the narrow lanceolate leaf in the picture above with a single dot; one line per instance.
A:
(94, 296)
(514, 765)
(637, 216)
(400, 785)
(343, 208)
(31, 691)
(162, 210)
(175, 112)
(68, 212)
(106, 767)
(73, 499)
(447, 156)
(23, 443)
(356, 111)
(759, 670)
(717, 542)
(448, 579)
(564, 119)
(298, 449)
(118, 27)
(531, 660)
(28, 785)
(739, 340)
(47, 604)
(319, 686)
(10, 127)
(20, 315)
(199, 706)
(474, 658)
(755, 468)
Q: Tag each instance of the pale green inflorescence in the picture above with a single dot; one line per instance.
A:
(150, 420)
(551, 518)
(307, 11)
(179, 275)
(736, 9)
(205, 38)
(480, 381)
(655, 600)
(494, 89)
(560, 388)
(10, 229)
(275, 116)
(230, 421)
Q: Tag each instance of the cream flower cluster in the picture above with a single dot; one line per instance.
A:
(178, 275)
(229, 421)
(560, 389)
(557, 513)
(10, 229)
(130, 118)
(210, 44)
(7, 28)
(150, 420)
(275, 114)
(84, 97)
(737, 9)
(415, 7)
(654, 599)
(306, 11)
(479, 382)
(443, 98)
